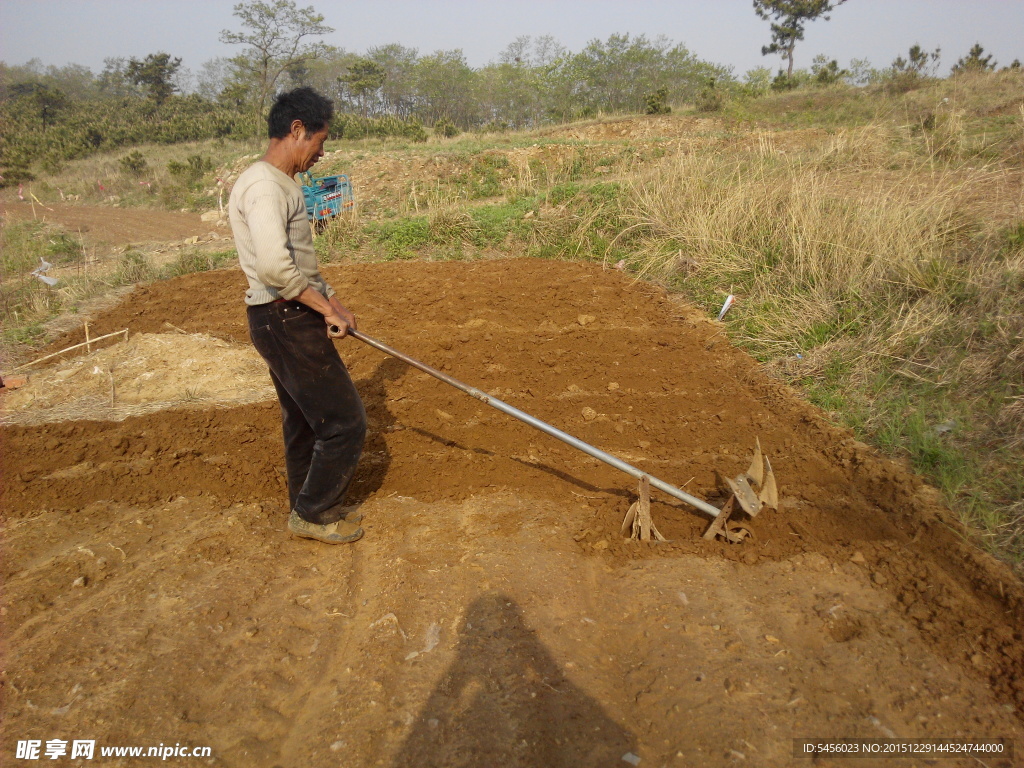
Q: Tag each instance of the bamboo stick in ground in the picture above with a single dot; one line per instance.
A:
(68, 349)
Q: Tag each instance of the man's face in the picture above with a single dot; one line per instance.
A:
(310, 149)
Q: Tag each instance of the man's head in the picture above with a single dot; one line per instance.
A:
(297, 125)
(303, 104)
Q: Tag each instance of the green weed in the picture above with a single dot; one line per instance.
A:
(402, 237)
(134, 267)
(196, 260)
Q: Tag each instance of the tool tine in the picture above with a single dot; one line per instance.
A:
(745, 495)
(627, 521)
(769, 495)
(756, 471)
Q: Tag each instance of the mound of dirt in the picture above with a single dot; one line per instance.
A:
(857, 609)
(148, 372)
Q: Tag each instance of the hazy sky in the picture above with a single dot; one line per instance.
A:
(721, 31)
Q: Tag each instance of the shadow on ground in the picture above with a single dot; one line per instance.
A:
(504, 701)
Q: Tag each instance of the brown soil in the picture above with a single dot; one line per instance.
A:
(491, 615)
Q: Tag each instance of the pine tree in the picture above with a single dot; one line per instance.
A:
(789, 17)
(155, 73)
(975, 61)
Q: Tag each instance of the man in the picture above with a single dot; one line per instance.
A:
(294, 316)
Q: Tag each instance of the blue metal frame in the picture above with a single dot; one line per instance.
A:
(327, 196)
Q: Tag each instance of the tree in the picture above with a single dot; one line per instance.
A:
(40, 100)
(861, 72)
(113, 80)
(398, 93)
(918, 62)
(364, 80)
(444, 88)
(617, 74)
(155, 73)
(975, 61)
(756, 82)
(276, 35)
(212, 78)
(789, 17)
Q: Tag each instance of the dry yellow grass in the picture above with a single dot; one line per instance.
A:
(873, 268)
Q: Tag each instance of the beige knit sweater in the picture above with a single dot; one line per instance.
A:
(272, 236)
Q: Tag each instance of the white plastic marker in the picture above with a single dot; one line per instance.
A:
(44, 265)
(729, 301)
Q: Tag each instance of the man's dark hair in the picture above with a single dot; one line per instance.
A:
(303, 104)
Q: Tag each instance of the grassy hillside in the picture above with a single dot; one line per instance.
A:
(874, 240)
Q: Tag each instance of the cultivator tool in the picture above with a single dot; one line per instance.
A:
(751, 491)
(638, 519)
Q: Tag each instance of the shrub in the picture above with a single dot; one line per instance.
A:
(445, 127)
(827, 72)
(348, 126)
(495, 126)
(192, 170)
(657, 102)
(196, 261)
(133, 164)
(134, 267)
(784, 82)
(710, 98)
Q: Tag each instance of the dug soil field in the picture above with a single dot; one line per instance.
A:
(493, 614)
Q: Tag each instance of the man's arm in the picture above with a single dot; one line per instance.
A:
(334, 312)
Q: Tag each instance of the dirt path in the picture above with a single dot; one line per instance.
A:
(108, 226)
(492, 615)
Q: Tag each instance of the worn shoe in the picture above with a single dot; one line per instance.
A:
(353, 515)
(341, 532)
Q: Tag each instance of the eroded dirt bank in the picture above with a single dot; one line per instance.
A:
(855, 611)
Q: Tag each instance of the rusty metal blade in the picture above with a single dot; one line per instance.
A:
(756, 471)
(769, 495)
(745, 495)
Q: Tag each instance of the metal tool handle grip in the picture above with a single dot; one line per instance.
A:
(543, 426)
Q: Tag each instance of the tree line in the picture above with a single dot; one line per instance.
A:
(53, 114)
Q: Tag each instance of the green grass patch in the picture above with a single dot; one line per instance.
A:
(197, 261)
(401, 238)
(493, 223)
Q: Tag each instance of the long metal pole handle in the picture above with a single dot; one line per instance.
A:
(543, 426)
